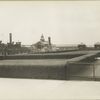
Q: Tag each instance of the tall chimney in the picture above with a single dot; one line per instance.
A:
(49, 40)
(10, 37)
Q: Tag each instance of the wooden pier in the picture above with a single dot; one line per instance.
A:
(42, 68)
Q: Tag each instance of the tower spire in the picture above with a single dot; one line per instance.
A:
(42, 38)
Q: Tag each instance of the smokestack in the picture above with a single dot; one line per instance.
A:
(10, 37)
(49, 40)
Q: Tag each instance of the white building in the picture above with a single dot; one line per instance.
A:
(43, 45)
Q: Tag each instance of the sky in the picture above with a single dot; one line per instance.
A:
(66, 22)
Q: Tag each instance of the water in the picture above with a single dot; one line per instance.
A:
(26, 89)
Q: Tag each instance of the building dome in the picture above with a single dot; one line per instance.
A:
(42, 38)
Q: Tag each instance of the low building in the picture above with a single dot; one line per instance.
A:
(97, 45)
(82, 46)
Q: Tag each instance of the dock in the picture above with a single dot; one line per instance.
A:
(45, 68)
(88, 56)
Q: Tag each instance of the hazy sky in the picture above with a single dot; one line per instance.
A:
(67, 22)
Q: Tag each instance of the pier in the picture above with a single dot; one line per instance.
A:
(88, 56)
(57, 68)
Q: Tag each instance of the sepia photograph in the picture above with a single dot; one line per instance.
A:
(50, 50)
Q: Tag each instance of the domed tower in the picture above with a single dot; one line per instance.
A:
(42, 38)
